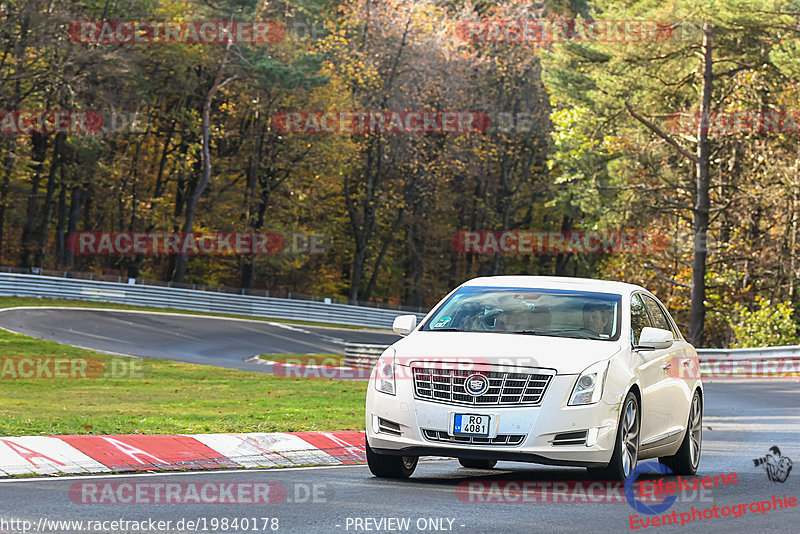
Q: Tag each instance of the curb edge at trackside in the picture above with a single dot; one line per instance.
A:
(90, 454)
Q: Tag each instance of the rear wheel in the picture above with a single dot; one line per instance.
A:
(388, 466)
(477, 464)
(626, 449)
(686, 460)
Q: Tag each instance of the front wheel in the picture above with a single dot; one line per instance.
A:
(686, 460)
(387, 466)
(626, 448)
(477, 464)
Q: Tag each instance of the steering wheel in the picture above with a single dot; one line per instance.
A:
(488, 321)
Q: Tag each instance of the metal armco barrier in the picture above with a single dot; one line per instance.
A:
(26, 285)
(755, 353)
(768, 362)
(772, 362)
(714, 363)
(362, 355)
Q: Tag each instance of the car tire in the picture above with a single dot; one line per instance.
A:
(626, 447)
(477, 464)
(388, 466)
(686, 460)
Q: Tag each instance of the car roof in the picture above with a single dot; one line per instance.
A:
(555, 282)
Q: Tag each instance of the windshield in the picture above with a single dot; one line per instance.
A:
(526, 311)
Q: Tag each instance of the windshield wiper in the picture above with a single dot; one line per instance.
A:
(572, 334)
(577, 334)
(537, 333)
(446, 330)
(531, 332)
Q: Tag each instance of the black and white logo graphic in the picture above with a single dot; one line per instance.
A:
(776, 465)
(476, 385)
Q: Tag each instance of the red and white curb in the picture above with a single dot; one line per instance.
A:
(55, 455)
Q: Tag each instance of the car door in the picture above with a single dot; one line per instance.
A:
(652, 367)
(677, 390)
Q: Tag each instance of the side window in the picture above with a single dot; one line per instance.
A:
(657, 314)
(673, 325)
(639, 318)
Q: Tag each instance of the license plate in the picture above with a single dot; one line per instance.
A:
(468, 424)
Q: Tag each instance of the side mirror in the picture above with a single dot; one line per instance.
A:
(404, 324)
(654, 339)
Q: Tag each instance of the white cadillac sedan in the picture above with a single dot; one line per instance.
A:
(550, 370)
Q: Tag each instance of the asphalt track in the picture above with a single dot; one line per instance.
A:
(197, 339)
(742, 420)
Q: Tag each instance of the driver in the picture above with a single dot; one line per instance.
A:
(516, 314)
(596, 317)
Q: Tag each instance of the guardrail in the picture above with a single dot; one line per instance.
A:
(28, 285)
(761, 362)
(276, 293)
(362, 355)
(786, 351)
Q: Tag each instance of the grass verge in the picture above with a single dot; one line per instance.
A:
(162, 396)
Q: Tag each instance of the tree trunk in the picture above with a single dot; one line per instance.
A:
(697, 313)
(72, 225)
(363, 218)
(8, 164)
(61, 222)
(191, 207)
(373, 280)
(247, 268)
(357, 272)
(49, 200)
(38, 155)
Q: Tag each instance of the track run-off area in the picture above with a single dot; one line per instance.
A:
(743, 420)
(198, 339)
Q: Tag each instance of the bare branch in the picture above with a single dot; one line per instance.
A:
(656, 130)
(661, 275)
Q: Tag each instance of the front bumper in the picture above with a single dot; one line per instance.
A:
(404, 425)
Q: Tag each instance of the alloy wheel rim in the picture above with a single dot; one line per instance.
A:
(695, 430)
(408, 461)
(630, 435)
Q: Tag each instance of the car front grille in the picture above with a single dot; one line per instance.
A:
(505, 389)
(509, 440)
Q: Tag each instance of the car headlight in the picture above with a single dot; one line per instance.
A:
(589, 387)
(384, 372)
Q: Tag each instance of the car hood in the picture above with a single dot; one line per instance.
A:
(564, 355)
